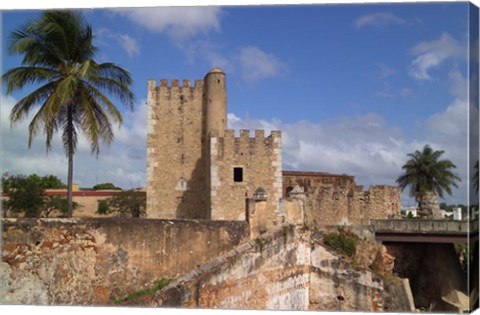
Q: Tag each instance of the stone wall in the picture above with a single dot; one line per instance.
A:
(94, 261)
(191, 156)
(284, 269)
(332, 199)
(176, 172)
(259, 159)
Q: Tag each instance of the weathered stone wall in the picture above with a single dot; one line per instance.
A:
(383, 202)
(336, 200)
(191, 155)
(283, 269)
(260, 161)
(176, 173)
(94, 261)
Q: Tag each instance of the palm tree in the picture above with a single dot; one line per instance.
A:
(70, 86)
(427, 175)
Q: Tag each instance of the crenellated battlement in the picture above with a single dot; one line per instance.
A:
(175, 83)
(244, 145)
(166, 92)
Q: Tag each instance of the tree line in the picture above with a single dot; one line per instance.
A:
(25, 196)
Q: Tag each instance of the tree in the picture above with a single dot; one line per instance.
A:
(106, 186)
(25, 195)
(55, 203)
(427, 176)
(125, 203)
(58, 56)
(52, 182)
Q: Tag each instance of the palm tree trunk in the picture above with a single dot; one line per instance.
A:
(70, 163)
(428, 207)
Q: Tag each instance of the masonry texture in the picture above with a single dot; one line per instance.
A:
(331, 199)
(284, 269)
(197, 168)
(94, 261)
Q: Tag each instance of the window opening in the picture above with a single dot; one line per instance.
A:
(238, 174)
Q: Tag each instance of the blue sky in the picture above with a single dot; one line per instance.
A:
(354, 88)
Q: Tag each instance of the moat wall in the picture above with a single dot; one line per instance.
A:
(94, 261)
(284, 269)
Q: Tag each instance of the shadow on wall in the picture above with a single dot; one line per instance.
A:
(193, 203)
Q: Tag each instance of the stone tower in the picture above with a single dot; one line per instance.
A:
(215, 102)
(196, 167)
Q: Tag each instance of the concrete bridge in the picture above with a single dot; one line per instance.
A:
(429, 244)
(425, 231)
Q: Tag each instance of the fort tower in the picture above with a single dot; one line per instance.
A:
(196, 167)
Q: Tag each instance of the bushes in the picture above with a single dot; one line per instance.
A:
(127, 203)
(343, 242)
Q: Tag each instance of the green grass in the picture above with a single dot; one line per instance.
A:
(345, 243)
(160, 284)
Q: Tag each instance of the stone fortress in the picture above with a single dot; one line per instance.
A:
(228, 228)
(198, 169)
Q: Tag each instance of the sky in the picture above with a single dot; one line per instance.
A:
(354, 88)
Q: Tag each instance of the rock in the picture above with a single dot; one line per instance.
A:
(384, 262)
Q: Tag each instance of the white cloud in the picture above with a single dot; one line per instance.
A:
(379, 19)
(250, 63)
(129, 44)
(367, 147)
(256, 64)
(389, 92)
(178, 22)
(124, 163)
(431, 54)
(385, 71)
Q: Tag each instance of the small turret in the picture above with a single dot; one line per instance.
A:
(215, 101)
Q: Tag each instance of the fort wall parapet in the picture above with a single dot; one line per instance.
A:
(95, 261)
(333, 199)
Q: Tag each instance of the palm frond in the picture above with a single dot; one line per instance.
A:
(424, 172)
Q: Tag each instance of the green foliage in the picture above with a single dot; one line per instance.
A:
(70, 87)
(52, 182)
(160, 284)
(410, 216)
(103, 207)
(25, 195)
(465, 251)
(106, 186)
(344, 242)
(125, 203)
(424, 172)
(56, 203)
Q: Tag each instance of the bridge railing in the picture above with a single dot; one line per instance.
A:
(425, 226)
